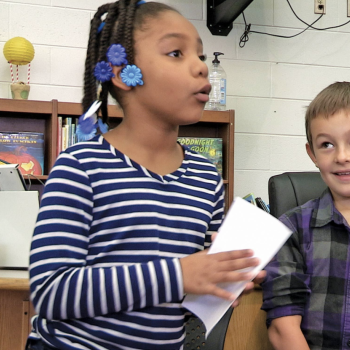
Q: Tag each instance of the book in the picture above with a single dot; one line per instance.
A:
(25, 149)
(68, 124)
(73, 135)
(209, 147)
(64, 137)
(66, 133)
(250, 198)
(261, 204)
(257, 201)
(59, 136)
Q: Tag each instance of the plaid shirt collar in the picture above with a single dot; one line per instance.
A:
(326, 212)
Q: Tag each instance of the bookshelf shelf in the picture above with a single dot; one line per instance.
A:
(42, 116)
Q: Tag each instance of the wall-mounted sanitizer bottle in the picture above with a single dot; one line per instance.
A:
(217, 79)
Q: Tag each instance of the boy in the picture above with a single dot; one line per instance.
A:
(307, 289)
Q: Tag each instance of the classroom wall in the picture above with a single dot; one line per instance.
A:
(270, 81)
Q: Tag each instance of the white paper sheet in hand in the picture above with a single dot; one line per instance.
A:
(245, 227)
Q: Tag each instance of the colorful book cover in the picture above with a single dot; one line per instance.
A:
(25, 149)
(250, 198)
(209, 147)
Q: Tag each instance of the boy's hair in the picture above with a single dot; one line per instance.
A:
(332, 99)
(120, 19)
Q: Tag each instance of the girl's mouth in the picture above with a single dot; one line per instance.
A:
(202, 97)
(203, 94)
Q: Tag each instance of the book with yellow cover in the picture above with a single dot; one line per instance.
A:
(209, 147)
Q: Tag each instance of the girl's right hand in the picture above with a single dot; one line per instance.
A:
(202, 271)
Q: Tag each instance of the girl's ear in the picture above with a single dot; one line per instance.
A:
(311, 153)
(117, 80)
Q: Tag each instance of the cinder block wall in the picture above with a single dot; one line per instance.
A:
(270, 81)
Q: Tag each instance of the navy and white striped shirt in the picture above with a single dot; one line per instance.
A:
(104, 265)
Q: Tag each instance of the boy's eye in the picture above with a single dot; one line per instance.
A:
(326, 145)
(175, 53)
(203, 58)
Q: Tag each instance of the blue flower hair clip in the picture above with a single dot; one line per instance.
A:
(116, 55)
(140, 2)
(131, 75)
(88, 123)
(103, 71)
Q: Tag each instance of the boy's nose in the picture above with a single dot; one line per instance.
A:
(343, 155)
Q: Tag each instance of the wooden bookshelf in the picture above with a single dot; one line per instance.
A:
(41, 116)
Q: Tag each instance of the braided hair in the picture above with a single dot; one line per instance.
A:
(118, 21)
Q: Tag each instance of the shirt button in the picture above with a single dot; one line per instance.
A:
(348, 343)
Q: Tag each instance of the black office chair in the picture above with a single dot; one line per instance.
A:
(195, 333)
(291, 189)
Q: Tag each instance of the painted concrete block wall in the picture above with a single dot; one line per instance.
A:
(270, 80)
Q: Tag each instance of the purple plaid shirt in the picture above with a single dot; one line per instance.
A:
(310, 275)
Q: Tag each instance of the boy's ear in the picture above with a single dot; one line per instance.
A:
(117, 80)
(311, 154)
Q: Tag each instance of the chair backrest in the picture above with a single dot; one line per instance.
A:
(195, 333)
(291, 189)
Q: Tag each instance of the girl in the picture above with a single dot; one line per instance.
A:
(126, 215)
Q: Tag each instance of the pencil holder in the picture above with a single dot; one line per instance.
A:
(20, 90)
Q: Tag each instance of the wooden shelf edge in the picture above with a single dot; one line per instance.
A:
(21, 284)
(25, 106)
(216, 116)
(68, 108)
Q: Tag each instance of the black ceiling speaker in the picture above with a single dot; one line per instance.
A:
(221, 14)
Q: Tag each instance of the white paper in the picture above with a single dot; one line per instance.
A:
(245, 227)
